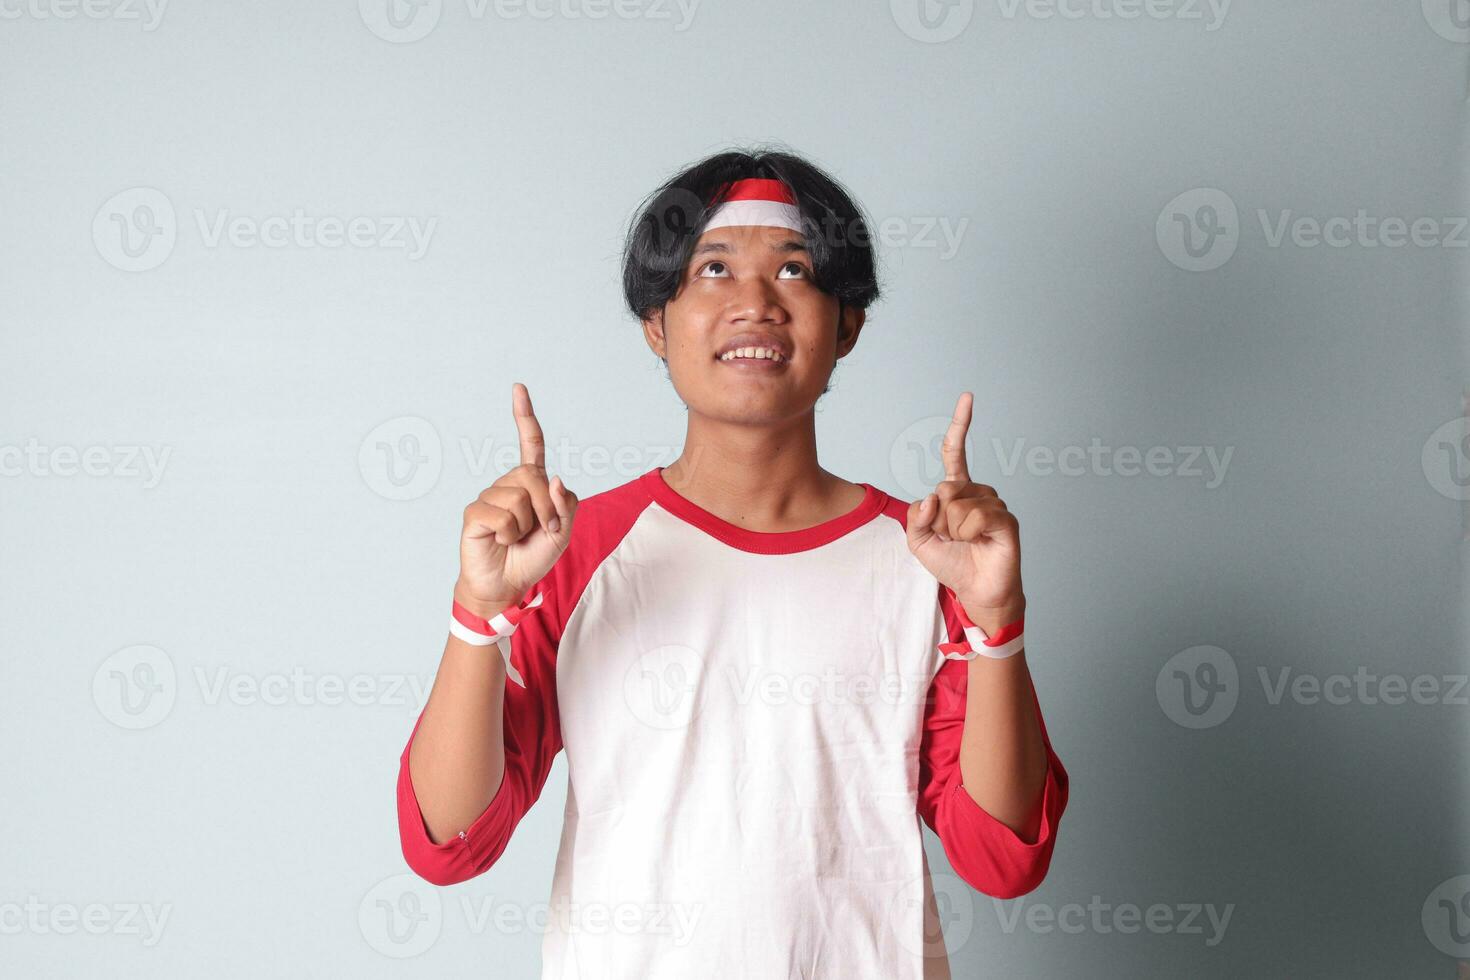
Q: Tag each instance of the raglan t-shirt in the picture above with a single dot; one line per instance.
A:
(755, 723)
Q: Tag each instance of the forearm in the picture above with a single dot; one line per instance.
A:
(457, 759)
(1002, 755)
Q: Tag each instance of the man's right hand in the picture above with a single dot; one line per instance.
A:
(517, 528)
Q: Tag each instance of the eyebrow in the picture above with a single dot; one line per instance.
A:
(790, 245)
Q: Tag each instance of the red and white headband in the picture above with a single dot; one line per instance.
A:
(757, 201)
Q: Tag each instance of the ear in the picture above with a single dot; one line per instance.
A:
(653, 333)
(850, 322)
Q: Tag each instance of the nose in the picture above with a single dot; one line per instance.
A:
(756, 302)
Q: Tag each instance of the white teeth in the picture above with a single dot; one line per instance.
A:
(756, 353)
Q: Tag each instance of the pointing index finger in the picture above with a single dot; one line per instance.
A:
(953, 448)
(533, 444)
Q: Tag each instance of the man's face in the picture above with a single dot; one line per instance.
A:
(744, 287)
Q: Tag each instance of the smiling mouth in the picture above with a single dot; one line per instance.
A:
(767, 357)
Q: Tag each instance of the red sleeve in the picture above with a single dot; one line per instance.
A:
(983, 851)
(532, 740)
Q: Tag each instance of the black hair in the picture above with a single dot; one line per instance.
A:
(669, 221)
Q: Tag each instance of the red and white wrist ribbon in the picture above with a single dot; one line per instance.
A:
(478, 631)
(1007, 641)
(757, 201)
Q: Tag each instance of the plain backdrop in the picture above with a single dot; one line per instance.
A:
(268, 270)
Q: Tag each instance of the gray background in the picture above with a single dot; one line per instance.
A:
(270, 547)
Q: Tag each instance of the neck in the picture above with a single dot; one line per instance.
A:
(761, 477)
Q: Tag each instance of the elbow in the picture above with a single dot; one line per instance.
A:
(990, 856)
(447, 863)
(460, 857)
(451, 862)
(1011, 881)
(1000, 869)
(436, 869)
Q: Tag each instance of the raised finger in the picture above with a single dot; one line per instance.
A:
(533, 444)
(953, 447)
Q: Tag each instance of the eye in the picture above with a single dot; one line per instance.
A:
(799, 269)
(716, 270)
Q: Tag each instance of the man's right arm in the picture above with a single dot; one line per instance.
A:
(480, 752)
